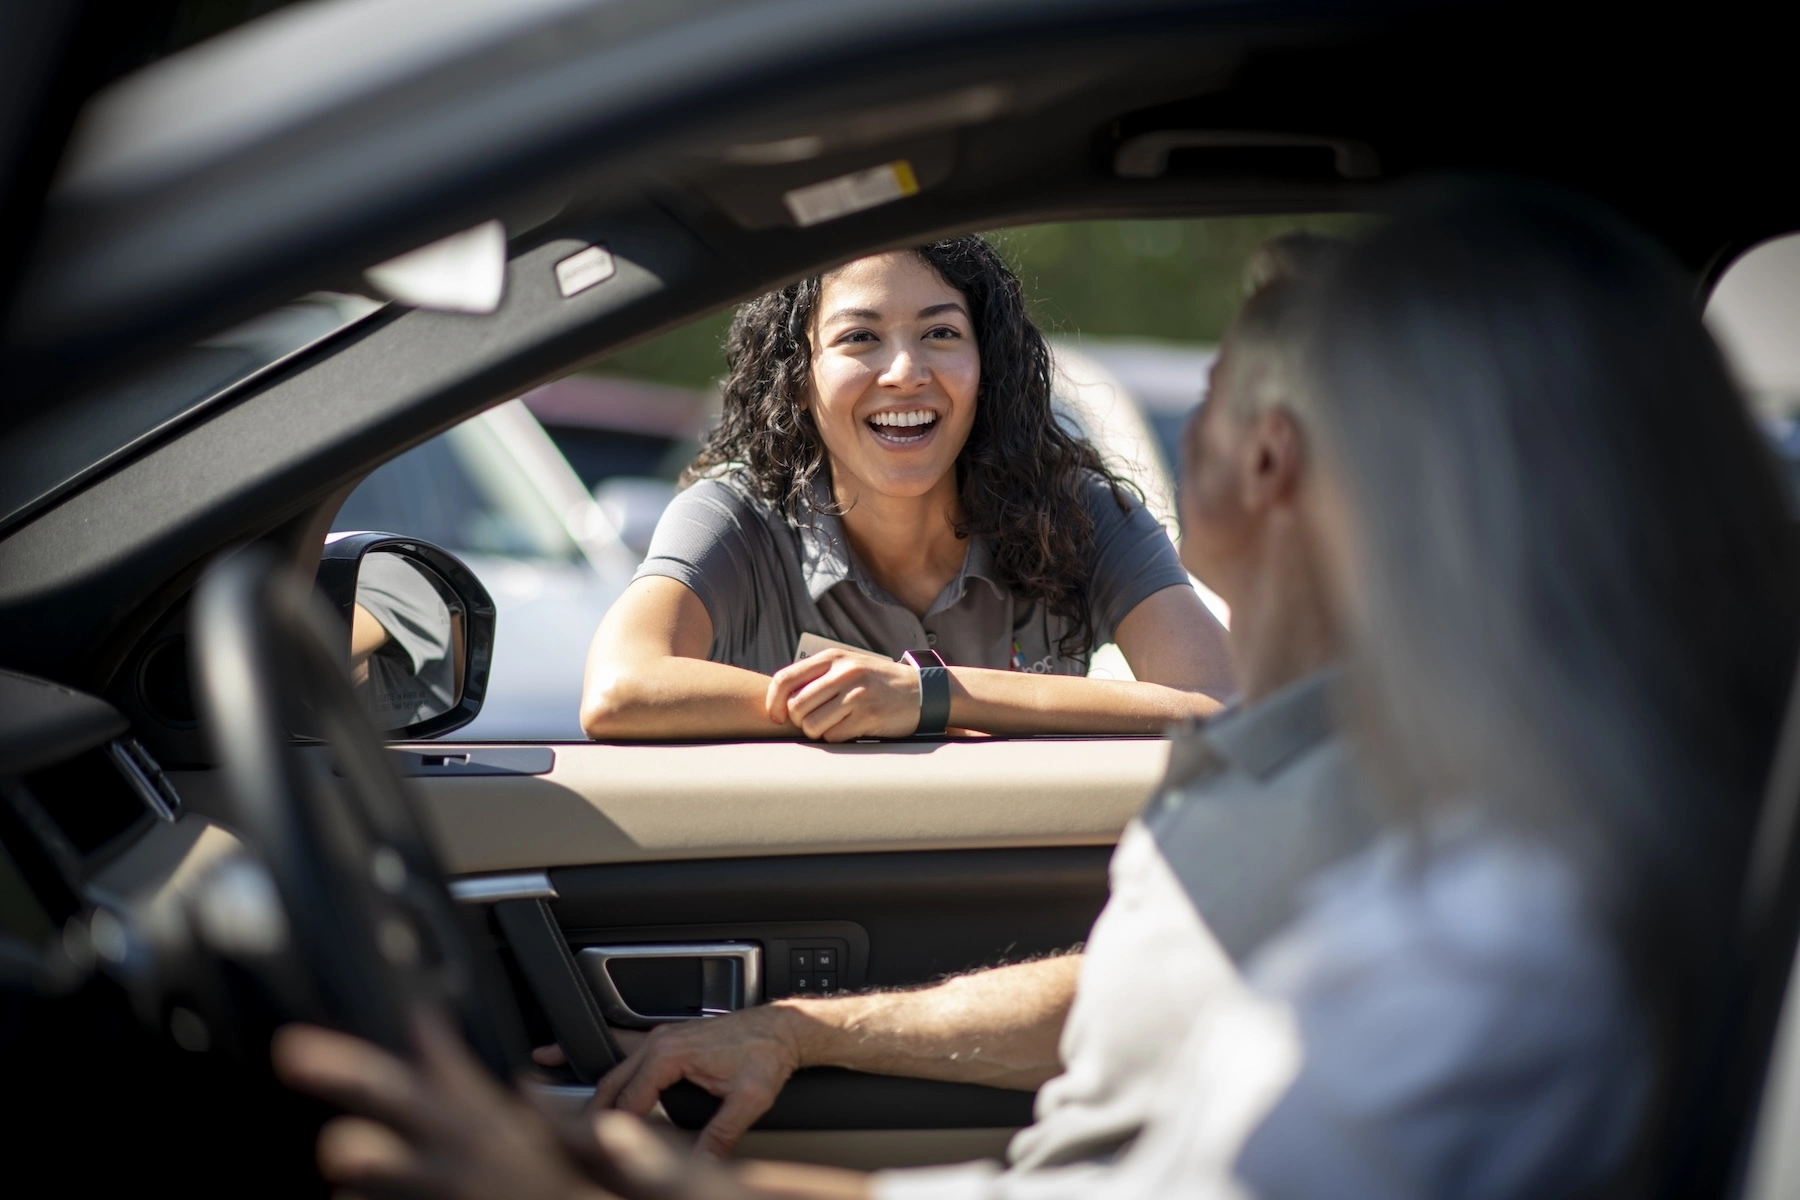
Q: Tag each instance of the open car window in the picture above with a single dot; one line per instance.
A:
(1133, 311)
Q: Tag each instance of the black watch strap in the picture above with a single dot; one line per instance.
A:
(934, 691)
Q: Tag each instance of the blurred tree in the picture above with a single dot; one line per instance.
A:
(1177, 281)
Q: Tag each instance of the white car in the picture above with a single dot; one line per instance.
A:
(1131, 399)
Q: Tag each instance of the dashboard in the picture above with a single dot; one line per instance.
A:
(103, 980)
(78, 795)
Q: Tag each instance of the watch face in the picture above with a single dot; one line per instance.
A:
(924, 658)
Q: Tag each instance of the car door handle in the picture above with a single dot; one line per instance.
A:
(643, 985)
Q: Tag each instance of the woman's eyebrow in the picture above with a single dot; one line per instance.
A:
(869, 314)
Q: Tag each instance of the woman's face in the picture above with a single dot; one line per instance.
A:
(895, 371)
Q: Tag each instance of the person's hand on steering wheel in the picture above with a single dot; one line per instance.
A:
(439, 1127)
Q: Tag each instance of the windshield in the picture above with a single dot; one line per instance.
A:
(70, 441)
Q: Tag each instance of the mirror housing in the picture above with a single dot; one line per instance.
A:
(421, 631)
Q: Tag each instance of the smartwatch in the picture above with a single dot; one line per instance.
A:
(934, 691)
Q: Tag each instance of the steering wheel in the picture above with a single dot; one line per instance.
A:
(374, 930)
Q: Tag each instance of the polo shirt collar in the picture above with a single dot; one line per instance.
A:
(980, 565)
(826, 559)
(1262, 738)
(824, 551)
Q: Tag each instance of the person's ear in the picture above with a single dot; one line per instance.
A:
(1275, 453)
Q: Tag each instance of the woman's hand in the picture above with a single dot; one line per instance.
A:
(839, 695)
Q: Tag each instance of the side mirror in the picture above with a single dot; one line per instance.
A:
(421, 631)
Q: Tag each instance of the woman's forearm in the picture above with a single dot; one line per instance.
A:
(672, 697)
(1016, 702)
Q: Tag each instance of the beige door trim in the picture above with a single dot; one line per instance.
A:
(646, 803)
(626, 803)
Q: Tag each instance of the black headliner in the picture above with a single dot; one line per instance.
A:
(1671, 125)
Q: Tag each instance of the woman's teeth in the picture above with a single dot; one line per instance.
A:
(903, 426)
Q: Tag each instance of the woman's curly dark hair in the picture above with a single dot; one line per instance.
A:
(1021, 475)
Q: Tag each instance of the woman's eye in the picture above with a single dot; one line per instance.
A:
(943, 332)
(855, 335)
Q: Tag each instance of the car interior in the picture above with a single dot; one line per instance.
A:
(649, 163)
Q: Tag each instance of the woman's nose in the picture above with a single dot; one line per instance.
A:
(904, 370)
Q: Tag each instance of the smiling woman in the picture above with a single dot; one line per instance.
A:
(888, 478)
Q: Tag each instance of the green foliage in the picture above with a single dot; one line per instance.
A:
(691, 356)
(1178, 281)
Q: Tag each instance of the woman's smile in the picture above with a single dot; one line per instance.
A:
(903, 428)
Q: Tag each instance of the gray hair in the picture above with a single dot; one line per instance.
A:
(1263, 345)
(1577, 596)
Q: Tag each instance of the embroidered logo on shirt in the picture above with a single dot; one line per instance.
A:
(1043, 666)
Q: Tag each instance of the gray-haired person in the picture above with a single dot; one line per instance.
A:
(1566, 567)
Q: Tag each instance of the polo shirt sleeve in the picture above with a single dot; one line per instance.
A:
(1132, 557)
(715, 541)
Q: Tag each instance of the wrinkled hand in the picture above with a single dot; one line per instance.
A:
(837, 695)
(744, 1059)
(440, 1127)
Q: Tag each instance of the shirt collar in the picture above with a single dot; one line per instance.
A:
(826, 559)
(824, 551)
(1261, 738)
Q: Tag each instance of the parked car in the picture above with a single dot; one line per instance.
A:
(1132, 400)
(628, 439)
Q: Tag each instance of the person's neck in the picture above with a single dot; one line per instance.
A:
(1282, 628)
(908, 543)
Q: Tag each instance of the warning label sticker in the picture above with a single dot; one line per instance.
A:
(852, 193)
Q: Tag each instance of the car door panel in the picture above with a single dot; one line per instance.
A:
(906, 919)
(921, 915)
(920, 860)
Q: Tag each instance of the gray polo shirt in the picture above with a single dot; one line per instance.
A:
(412, 676)
(1257, 801)
(765, 580)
